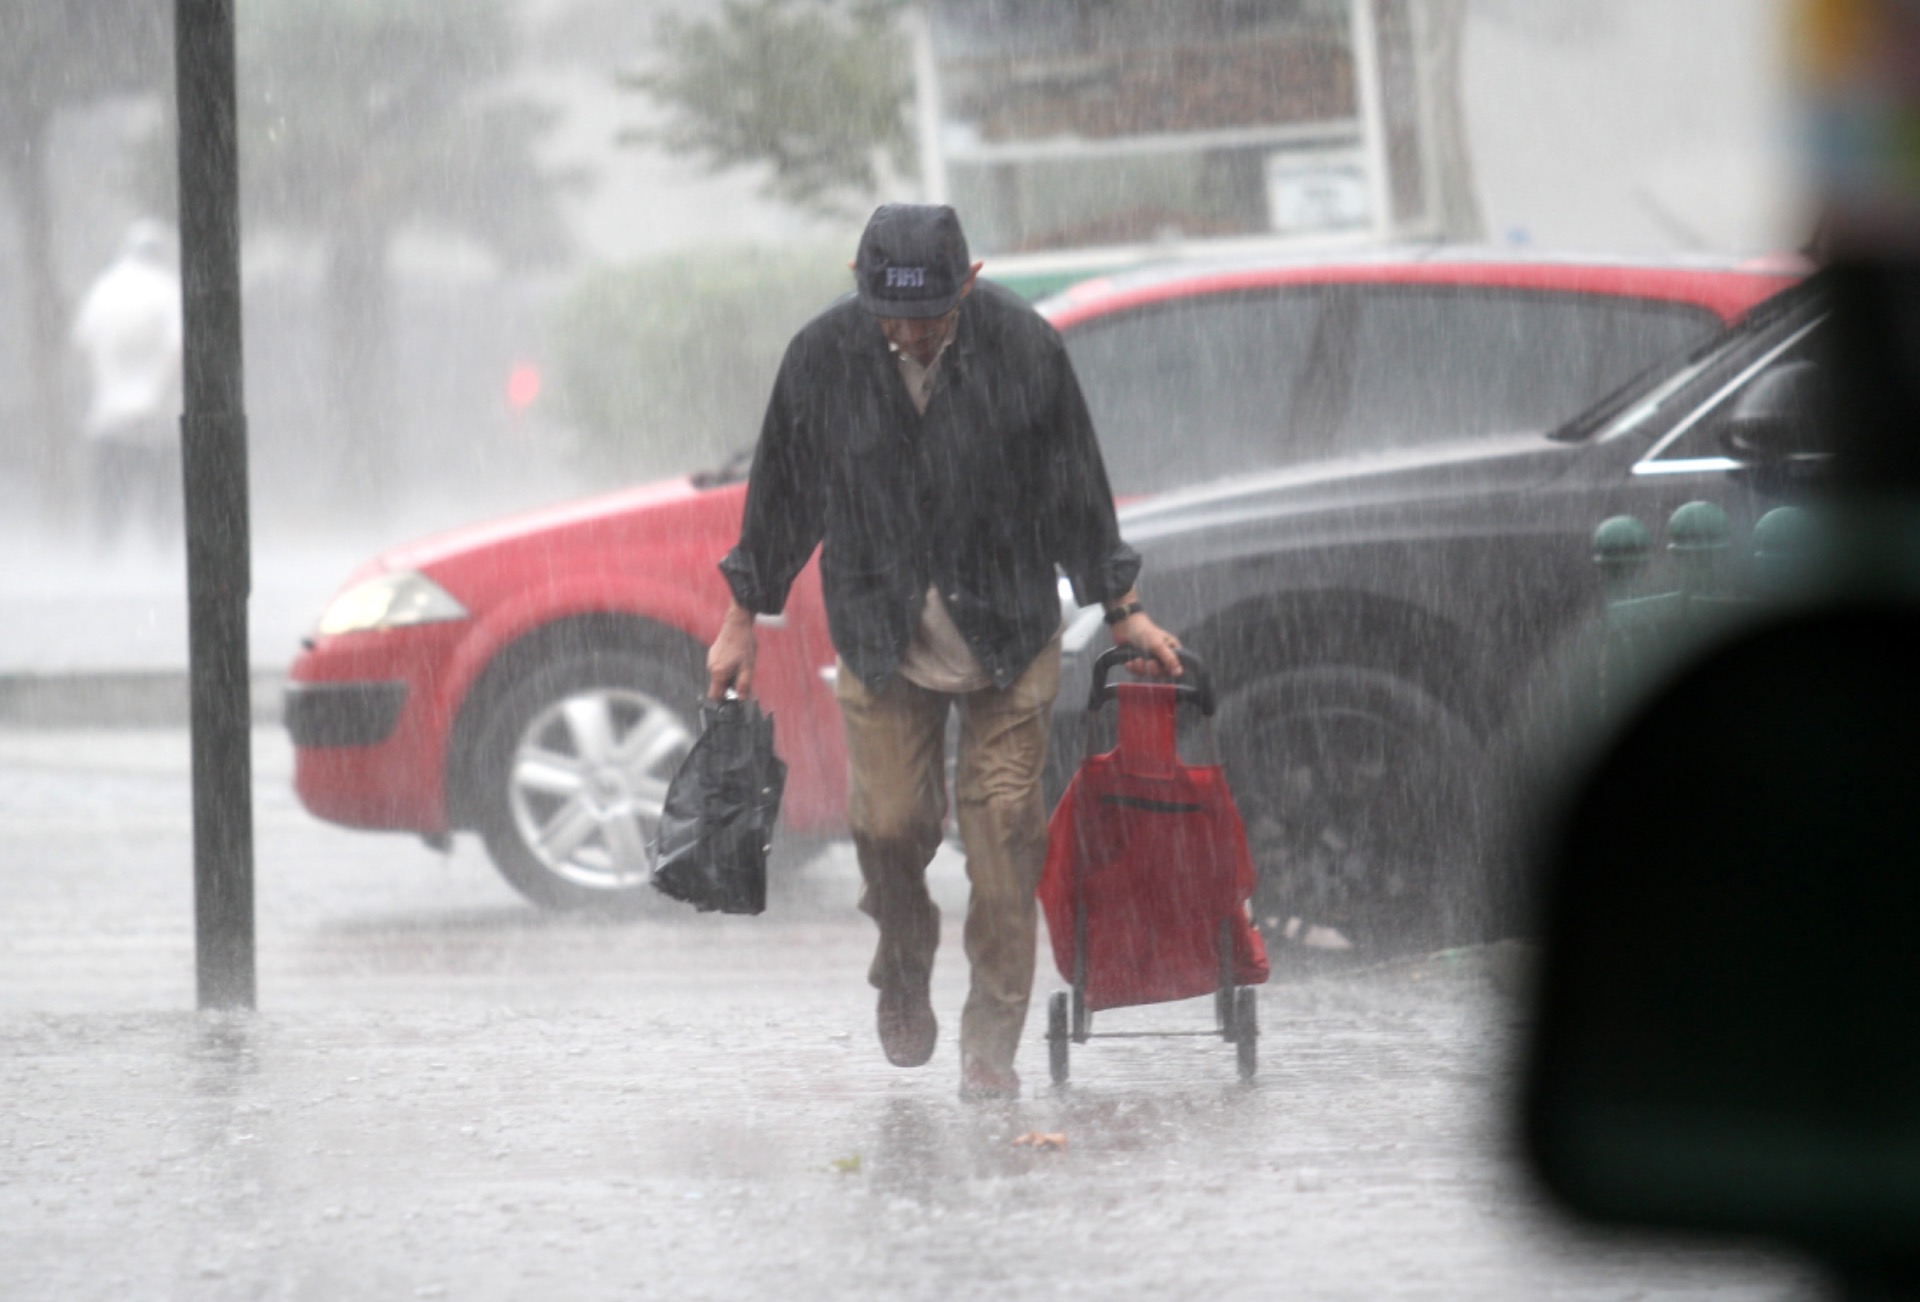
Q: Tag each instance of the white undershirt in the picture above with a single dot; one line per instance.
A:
(938, 658)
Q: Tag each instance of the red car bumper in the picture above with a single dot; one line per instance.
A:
(370, 727)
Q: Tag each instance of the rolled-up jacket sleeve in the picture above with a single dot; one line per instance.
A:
(784, 515)
(1084, 535)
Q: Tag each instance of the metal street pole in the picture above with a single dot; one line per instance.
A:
(213, 433)
(1365, 35)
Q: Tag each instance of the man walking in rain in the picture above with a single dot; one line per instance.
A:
(129, 333)
(929, 434)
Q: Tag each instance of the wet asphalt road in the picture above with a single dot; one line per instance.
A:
(446, 1094)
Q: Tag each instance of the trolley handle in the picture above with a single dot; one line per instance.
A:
(1196, 683)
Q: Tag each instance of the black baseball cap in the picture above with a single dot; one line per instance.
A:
(912, 261)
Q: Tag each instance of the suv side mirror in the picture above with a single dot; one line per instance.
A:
(1779, 417)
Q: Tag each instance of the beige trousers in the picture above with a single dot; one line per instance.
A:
(897, 804)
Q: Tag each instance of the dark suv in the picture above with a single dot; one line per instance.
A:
(1370, 621)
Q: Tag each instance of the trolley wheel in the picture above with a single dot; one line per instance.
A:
(1058, 1033)
(1082, 1023)
(1246, 1031)
(1223, 996)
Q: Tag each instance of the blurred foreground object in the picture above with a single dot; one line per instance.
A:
(1752, 1065)
(1860, 89)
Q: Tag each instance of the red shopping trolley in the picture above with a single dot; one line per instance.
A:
(1147, 876)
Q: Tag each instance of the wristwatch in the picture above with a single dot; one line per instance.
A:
(1127, 611)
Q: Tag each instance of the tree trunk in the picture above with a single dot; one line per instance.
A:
(49, 446)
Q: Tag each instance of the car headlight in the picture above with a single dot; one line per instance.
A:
(395, 600)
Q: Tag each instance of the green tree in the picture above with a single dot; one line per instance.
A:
(55, 57)
(818, 89)
(665, 364)
(359, 118)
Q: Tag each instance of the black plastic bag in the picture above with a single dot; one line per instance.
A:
(717, 826)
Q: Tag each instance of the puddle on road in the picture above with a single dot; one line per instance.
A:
(746, 1139)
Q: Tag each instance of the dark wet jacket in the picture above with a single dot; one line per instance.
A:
(997, 484)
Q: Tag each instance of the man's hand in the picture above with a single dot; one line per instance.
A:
(730, 658)
(1139, 631)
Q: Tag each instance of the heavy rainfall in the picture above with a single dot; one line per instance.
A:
(1369, 300)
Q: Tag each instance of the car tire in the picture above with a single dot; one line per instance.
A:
(1246, 1032)
(1358, 792)
(573, 768)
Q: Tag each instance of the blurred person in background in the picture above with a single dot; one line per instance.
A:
(128, 333)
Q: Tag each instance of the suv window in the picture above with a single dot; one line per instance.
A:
(1426, 366)
(1209, 387)
(1693, 445)
(1195, 389)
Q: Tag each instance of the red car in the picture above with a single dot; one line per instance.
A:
(535, 679)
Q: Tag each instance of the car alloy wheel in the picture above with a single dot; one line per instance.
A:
(589, 779)
(575, 775)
